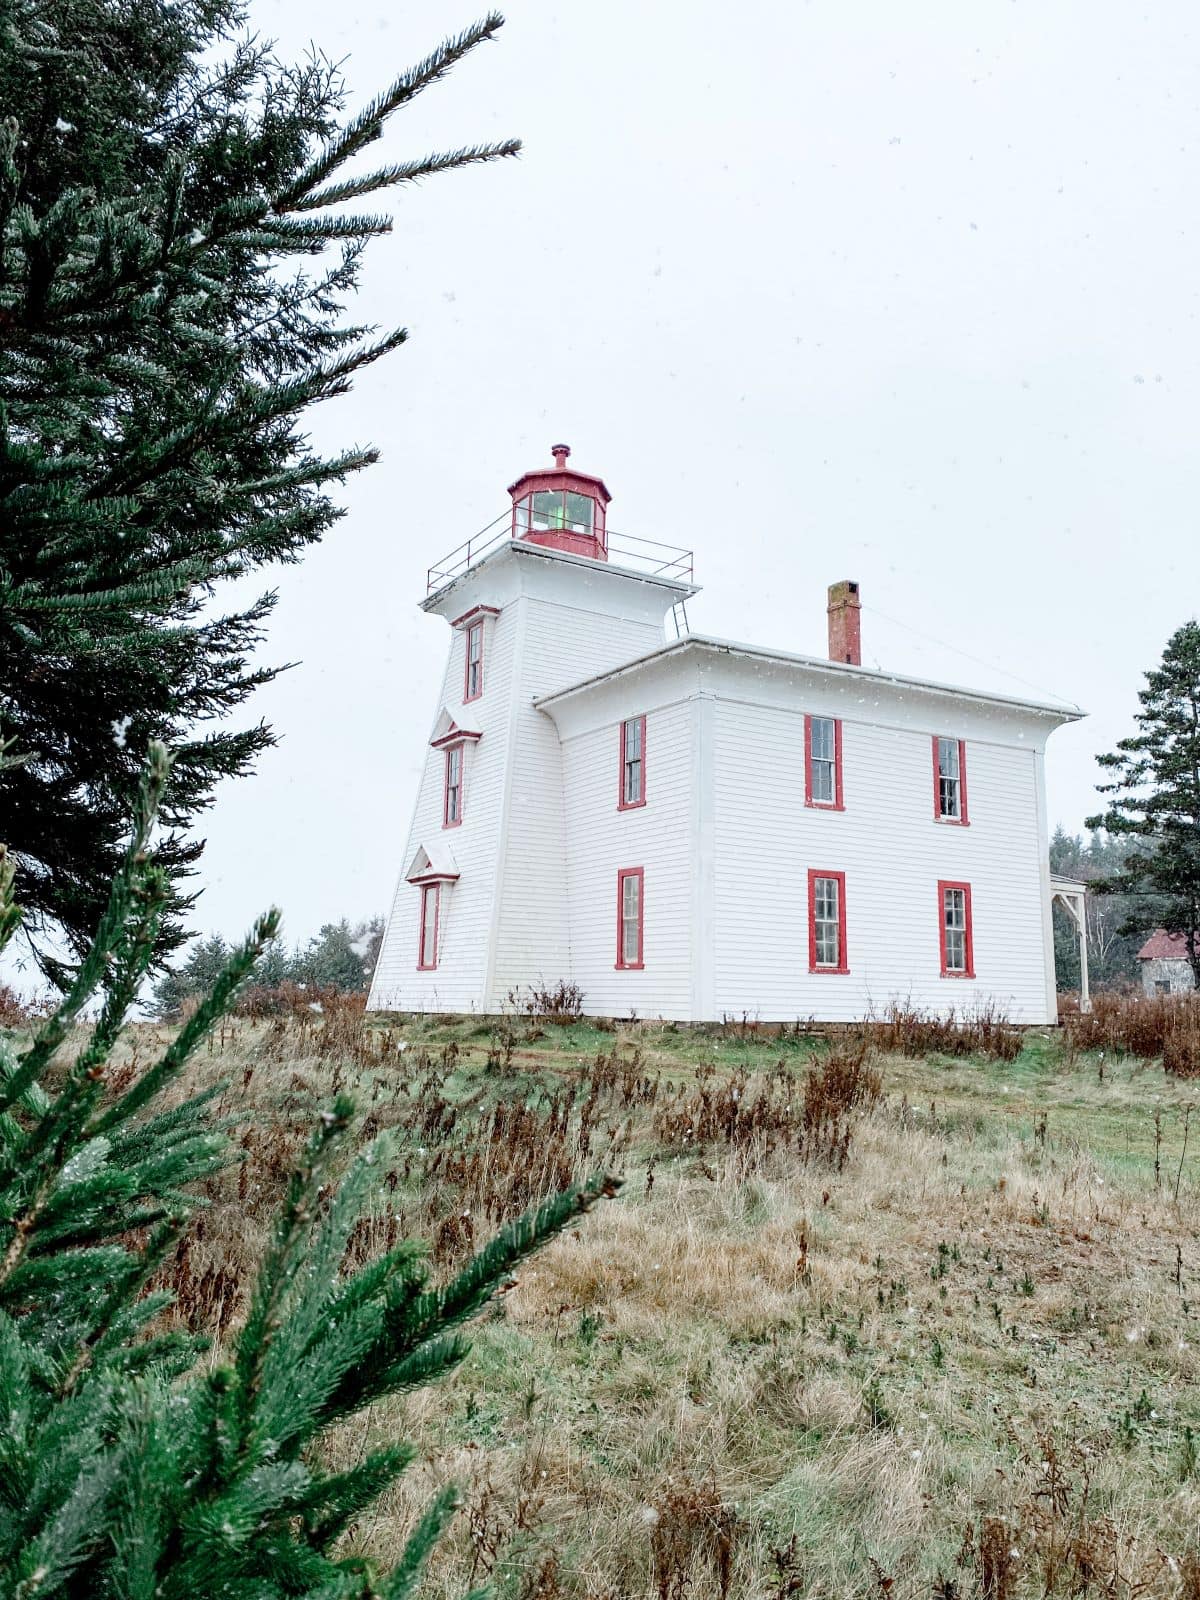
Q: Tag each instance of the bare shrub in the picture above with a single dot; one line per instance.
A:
(561, 1003)
(694, 1532)
(1141, 1025)
(754, 1114)
(906, 1030)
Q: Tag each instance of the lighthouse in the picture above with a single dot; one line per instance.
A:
(540, 601)
(687, 827)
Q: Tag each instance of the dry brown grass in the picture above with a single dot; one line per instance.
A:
(858, 1324)
(1165, 1027)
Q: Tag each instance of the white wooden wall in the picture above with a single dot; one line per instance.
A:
(562, 642)
(601, 839)
(893, 854)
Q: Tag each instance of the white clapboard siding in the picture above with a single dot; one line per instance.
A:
(504, 924)
(466, 906)
(563, 641)
(602, 839)
(893, 854)
(725, 839)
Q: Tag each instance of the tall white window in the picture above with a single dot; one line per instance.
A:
(474, 684)
(950, 800)
(958, 957)
(822, 761)
(826, 911)
(452, 811)
(430, 905)
(633, 762)
(629, 917)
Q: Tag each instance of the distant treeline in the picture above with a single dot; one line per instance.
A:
(1112, 954)
(341, 956)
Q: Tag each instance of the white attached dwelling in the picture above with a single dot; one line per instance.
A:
(689, 828)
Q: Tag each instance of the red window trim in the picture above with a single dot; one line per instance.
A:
(838, 801)
(470, 628)
(843, 965)
(963, 820)
(622, 803)
(640, 874)
(969, 939)
(475, 611)
(429, 891)
(462, 786)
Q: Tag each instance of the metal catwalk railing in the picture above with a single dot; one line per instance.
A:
(649, 556)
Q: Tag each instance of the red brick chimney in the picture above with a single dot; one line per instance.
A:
(845, 633)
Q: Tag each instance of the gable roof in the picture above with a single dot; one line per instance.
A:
(433, 863)
(703, 642)
(447, 731)
(1162, 946)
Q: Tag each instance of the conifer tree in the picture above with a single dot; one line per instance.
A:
(128, 1469)
(1155, 797)
(178, 241)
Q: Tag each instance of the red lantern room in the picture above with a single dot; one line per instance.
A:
(561, 508)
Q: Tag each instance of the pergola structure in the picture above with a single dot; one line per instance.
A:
(1072, 896)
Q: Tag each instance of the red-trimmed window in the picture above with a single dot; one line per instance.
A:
(949, 780)
(633, 764)
(957, 932)
(431, 905)
(630, 915)
(452, 792)
(827, 922)
(473, 672)
(823, 763)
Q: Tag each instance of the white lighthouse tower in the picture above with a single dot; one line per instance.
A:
(533, 606)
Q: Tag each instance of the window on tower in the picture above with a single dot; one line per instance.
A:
(427, 947)
(452, 797)
(473, 686)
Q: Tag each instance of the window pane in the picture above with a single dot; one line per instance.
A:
(822, 780)
(631, 917)
(827, 930)
(548, 509)
(633, 738)
(579, 513)
(821, 736)
(948, 758)
(428, 926)
(522, 519)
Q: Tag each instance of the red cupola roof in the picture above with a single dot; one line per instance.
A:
(561, 508)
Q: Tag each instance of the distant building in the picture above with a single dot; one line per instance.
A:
(690, 828)
(1165, 965)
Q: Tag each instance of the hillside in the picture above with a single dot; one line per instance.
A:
(855, 1325)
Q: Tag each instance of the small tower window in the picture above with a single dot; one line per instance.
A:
(427, 950)
(453, 797)
(473, 686)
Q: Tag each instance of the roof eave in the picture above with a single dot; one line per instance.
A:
(1062, 714)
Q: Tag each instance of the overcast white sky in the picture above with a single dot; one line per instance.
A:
(903, 293)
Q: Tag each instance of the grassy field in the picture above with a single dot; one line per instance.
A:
(931, 1333)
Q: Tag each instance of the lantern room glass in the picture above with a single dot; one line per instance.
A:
(555, 511)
